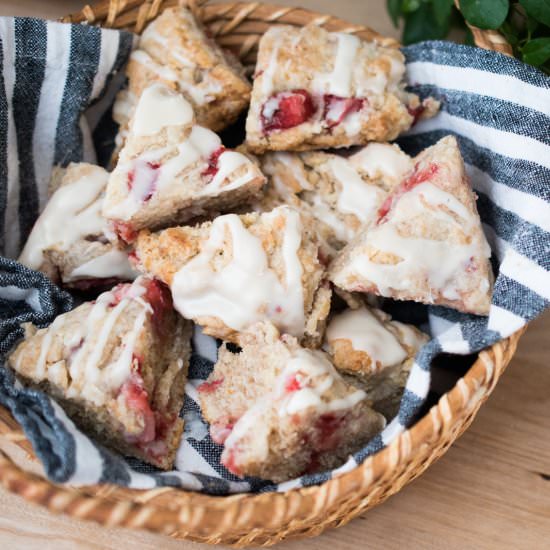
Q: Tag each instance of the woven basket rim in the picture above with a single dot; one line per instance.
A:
(304, 511)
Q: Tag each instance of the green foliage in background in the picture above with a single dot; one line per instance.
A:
(524, 23)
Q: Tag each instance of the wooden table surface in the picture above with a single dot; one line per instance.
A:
(491, 490)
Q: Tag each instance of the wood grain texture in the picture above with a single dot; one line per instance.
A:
(488, 491)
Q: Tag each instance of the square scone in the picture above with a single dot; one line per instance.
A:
(233, 272)
(315, 89)
(281, 410)
(171, 170)
(118, 365)
(427, 244)
(342, 193)
(71, 241)
(175, 49)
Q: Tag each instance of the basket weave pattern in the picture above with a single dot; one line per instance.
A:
(259, 519)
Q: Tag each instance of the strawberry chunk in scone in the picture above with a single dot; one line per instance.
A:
(118, 365)
(315, 89)
(172, 170)
(427, 244)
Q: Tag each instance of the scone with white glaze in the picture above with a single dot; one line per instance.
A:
(71, 241)
(427, 244)
(229, 274)
(171, 170)
(174, 49)
(375, 351)
(281, 410)
(315, 89)
(118, 365)
(342, 193)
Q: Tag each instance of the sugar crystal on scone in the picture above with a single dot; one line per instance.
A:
(172, 170)
(427, 244)
(118, 365)
(315, 89)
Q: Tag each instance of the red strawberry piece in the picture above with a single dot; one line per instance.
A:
(125, 231)
(159, 298)
(210, 387)
(136, 398)
(228, 460)
(292, 384)
(416, 112)
(415, 178)
(287, 110)
(328, 431)
(336, 108)
(212, 169)
(220, 431)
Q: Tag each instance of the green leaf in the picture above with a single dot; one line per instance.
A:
(394, 9)
(538, 9)
(485, 14)
(537, 51)
(442, 10)
(422, 25)
(510, 33)
(410, 6)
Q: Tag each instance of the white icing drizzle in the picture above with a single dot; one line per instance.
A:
(40, 368)
(245, 290)
(72, 213)
(339, 81)
(248, 424)
(152, 175)
(163, 71)
(269, 71)
(367, 334)
(159, 107)
(436, 262)
(292, 164)
(88, 380)
(113, 263)
(316, 375)
(356, 197)
(327, 215)
(382, 160)
(228, 162)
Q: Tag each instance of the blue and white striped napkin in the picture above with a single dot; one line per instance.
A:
(498, 108)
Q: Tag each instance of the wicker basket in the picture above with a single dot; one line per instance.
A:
(259, 519)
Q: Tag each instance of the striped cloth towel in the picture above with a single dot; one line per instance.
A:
(498, 108)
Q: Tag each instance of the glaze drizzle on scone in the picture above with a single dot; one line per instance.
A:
(118, 365)
(344, 194)
(315, 89)
(427, 244)
(281, 410)
(235, 271)
(171, 170)
(71, 240)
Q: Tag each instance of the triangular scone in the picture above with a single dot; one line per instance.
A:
(376, 351)
(175, 50)
(71, 241)
(427, 245)
(315, 89)
(342, 193)
(171, 170)
(118, 366)
(282, 411)
(235, 271)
